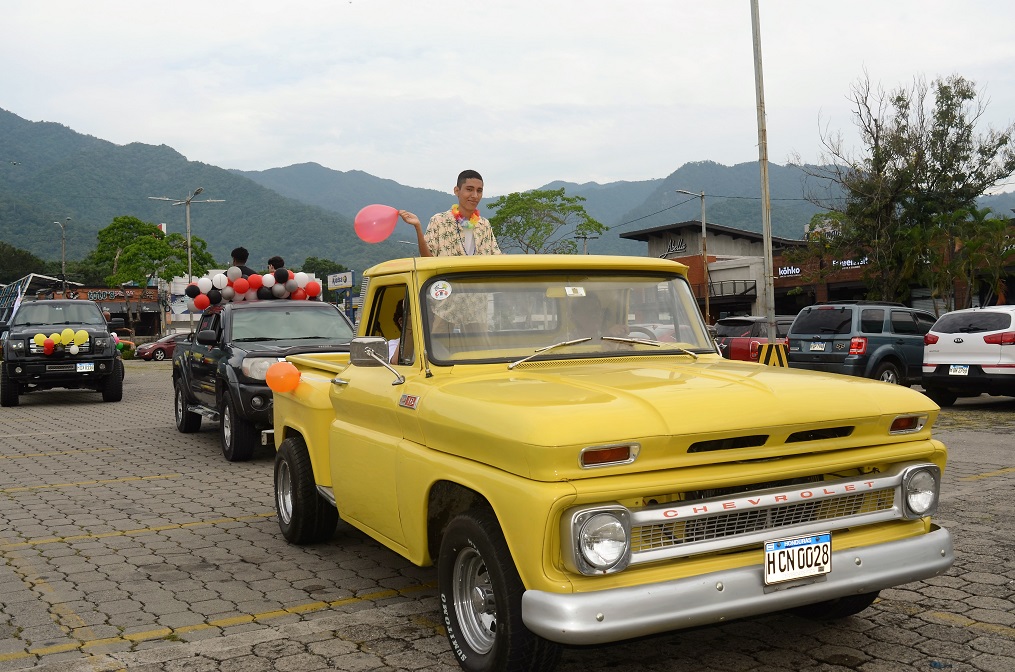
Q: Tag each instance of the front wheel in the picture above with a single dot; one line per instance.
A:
(112, 388)
(942, 398)
(9, 390)
(159, 355)
(303, 515)
(832, 610)
(239, 437)
(888, 373)
(481, 597)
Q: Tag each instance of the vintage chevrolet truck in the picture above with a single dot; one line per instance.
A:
(576, 481)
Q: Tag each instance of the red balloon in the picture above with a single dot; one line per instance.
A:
(291, 274)
(201, 301)
(300, 294)
(241, 285)
(47, 346)
(282, 377)
(375, 223)
(313, 288)
(255, 281)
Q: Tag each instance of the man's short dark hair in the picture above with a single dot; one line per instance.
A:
(240, 254)
(468, 175)
(276, 262)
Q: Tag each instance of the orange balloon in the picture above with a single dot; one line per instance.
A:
(282, 377)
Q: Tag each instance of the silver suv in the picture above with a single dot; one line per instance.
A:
(868, 339)
(970, 352)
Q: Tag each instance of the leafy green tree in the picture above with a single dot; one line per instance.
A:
(542, 221)
(134, 251)
(18, 263)
(920, 158)
(322, 268)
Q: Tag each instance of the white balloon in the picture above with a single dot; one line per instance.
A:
(220, 280)
(301, 279)
(190, 304)
(234, 273)
(251, 295)
(74, 349)
(268, 280)
(204, 284)
(228, 293)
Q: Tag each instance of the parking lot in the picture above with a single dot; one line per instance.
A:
(127, 545)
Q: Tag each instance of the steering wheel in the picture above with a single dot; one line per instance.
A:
(641, 330)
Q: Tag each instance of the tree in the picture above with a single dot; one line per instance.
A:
(921, 158)
(542, 222)
(134, 251)
(322, 268)
(18, 263)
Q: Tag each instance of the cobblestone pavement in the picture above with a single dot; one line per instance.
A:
(127, 545)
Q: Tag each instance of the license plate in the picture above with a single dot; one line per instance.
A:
(958, 370)
(798, 558)
(819, 347)
(85, 367)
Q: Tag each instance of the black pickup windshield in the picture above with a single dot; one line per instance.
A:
(44, 313)
(290, 324)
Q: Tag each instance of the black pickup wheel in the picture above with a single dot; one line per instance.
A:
(303, 515)
(239, 437)
(186, 421)
(112, 387)
(8, 388)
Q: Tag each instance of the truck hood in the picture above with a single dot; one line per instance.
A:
(535, 421)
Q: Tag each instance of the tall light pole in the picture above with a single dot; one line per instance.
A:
(186, 202)
(63, 254)
(766, 199)
(704, 252)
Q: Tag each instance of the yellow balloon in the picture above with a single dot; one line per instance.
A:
(81, 337)
(55, 337)
(39, 339)
(67, 336)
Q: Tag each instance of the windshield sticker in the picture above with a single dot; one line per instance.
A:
(574, 291)
(440, 290)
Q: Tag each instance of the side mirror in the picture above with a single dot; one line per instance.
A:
(207, 337)
(363, 350)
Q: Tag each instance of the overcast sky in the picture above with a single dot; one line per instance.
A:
(525, 91)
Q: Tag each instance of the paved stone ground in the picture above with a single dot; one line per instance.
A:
(127, 545)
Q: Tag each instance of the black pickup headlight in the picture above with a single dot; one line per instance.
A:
(17, 347)
(597, 540)
(257, 367)
(101, 343)
(921, 487)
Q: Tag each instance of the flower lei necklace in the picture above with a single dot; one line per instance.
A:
(473, 218)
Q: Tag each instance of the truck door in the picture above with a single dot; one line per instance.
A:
(203, 360)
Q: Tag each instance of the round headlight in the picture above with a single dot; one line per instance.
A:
(921, 492)
(603, 540)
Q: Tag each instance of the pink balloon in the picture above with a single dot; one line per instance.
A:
(375, 223)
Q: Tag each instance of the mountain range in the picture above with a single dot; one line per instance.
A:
(49, 172)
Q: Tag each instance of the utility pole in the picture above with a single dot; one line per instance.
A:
(704, 249)
(585, 242)
(63, 254)
(766, 199)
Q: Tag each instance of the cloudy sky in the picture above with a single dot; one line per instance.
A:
(525, 91)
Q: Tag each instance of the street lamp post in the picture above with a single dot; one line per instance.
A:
(704, 252)
(186, 203)
(63, 254)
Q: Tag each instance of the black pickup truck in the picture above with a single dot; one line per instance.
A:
(220, 373)
(82, 356)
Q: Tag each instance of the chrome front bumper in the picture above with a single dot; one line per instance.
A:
(624, 613)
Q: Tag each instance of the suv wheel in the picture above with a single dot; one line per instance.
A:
(239, 438)
(8, 388)
(942, 398)
(888, 373)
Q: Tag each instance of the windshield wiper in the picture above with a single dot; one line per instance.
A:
(547, 349)
(645, 341)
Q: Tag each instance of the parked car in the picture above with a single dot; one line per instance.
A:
(160, 349)
(970, 352)
(739, 337)
(870, 339)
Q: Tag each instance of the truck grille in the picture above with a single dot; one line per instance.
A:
(83, 349)
(744, 518)
(723, 526)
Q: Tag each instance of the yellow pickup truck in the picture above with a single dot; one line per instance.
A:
(561, 438)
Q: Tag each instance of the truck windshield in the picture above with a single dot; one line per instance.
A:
(290, 324)
(508, 317)
(44, 313)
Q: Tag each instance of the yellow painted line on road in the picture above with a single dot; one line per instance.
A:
(117, 430)
(163, 633)
(989, 474)
(125, 479)
(125, 533)
(57, 452)
(966, 622)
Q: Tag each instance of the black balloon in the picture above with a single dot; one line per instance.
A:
(264, 293)
(281, 275)
(215, 296)
(192, 291)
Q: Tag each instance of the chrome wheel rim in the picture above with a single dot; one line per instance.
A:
(284, 492)
(159, 355)
(227, 425)
(474, 600)
(179, 407)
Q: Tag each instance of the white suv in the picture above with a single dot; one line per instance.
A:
(970, 352)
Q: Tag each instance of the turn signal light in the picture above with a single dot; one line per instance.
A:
(601, 456)
(857, 345)
(908, 424)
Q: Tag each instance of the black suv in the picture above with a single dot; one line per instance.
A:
(82, 356)
(869, 339)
